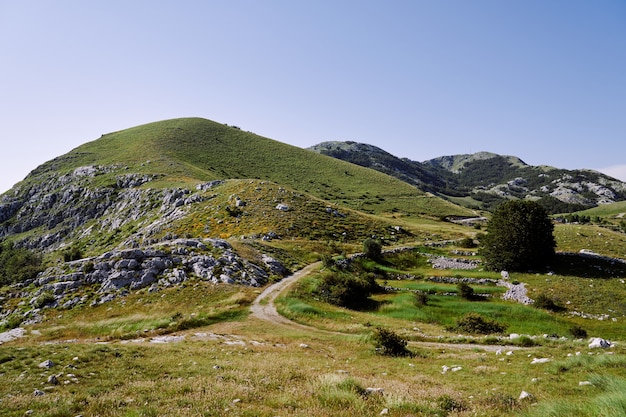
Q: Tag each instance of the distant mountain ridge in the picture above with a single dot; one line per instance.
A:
(484, 179)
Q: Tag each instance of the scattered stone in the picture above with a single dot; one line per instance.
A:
(47, 364)
(282, 207)
(584, 383)
(12, 335)
(304, 346)
(525, 396)
(38, 393)
(167, 339)
(384, 412)
(540, 360)
(374, 391)
(598, 342)
(52, 379)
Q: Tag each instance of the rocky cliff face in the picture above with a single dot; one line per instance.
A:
(60, 207)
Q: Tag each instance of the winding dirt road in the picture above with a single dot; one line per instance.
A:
(264, 308)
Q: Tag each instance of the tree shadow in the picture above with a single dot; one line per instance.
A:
(587, 266)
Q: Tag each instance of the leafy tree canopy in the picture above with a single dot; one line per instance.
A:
(519, 237)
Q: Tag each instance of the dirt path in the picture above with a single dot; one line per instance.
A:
(264, 308)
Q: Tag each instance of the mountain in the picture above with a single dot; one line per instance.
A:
(156, 179)
(484, 179)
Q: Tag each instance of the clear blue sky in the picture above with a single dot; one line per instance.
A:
(541, 80)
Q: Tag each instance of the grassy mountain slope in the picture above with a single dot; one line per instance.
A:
(141, 184)
(188, 151)
(615, 210)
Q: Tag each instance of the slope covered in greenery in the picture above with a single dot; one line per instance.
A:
(188, 151)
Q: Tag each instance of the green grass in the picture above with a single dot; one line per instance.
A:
(197, 304)
(574, 237)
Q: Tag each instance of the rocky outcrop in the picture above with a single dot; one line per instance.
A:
(62, 205)
(166, 264)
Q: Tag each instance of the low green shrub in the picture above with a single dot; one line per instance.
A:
(578, 332)
(44, 299)
(545, 302)
(465, 291)
(347, 290)
(467, 242)
(474, 323)
(421, 298)
(389, 343)
(449, 404)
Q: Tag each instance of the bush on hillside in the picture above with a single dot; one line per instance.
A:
(421, 298)
(18, 264)
(578, 332)
(347, 289)
(467, 242)
(545, 302)
(465, 291)
(72, 254)
(389, 343)
(474, 323)
(372, 248)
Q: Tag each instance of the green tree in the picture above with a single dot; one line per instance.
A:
(372, 248)
(519, 237)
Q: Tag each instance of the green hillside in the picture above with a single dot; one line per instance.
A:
(614, 210)
(192, 150)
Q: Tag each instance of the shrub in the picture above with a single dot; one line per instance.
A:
(72, 254)
(448, 404)
(545, 302)
(328, 261)
(501, 401)
(11, 322)
(465, 291)
(89, 267)
(525, 341)
(44, 299)
(474, 323)
(18, 264)
(578, 332)
(234, 212)
(467, 242)
(389, 343)
(372, 248)
(347, 290)
(421, 298)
